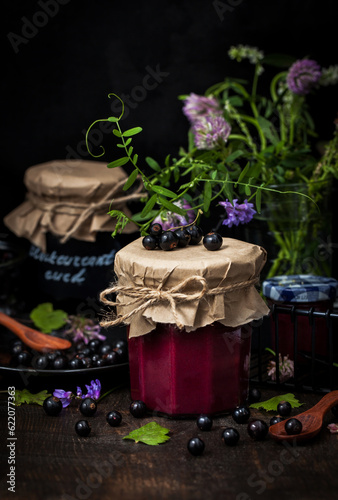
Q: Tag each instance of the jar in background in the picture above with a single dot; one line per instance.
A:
(304, 292)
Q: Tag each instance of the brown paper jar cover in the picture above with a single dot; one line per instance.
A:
(146, 279)
(69, 198)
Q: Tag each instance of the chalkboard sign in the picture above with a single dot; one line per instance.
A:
(75, 269)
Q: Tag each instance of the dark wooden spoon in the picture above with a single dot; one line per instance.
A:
(312, 420)
(36, 340)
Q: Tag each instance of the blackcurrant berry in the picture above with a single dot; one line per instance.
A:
(16, 347)
(114, 418)
(241, 414)
(94, 345)
(150, 242)
(40, 362)
(293, 426)
(212, 241)
(24, 358)
(120, 343)
(196, 234)
(257, 429)
(155, 229)
(183, 237)
(75, 364)
(254, 395)
(105, 348)
(204, 423)
(284, 408)
(168, 240)
(82, 428)
(195, 446)
(111, 358)
(276, 420)
(138, 409)
(88, 407)
(60, 363)
(230, 436)
(52, 405)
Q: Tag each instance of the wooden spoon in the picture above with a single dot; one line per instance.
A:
(36, 340)
(312, 420)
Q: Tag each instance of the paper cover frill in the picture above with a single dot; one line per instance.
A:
(235, 263)
(69, 198)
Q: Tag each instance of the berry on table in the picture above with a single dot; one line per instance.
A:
(254, 395)
(230, 436)
(52, 406)
(212, 241)
(88, 407)
(82, 428)
(257, 429)
(195, 446)
(284, 408)
(204, 422)
(114, 418)
(138, 408)
(276, 420)
(293, 426)
(241, 414)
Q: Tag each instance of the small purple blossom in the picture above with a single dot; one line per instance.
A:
(303, 75)
(333, 428)
(64, 396)
(171, 219)
(93, 390)
(211, 131)
(83, 329)
(237, 214)
(197, 106)
(286, 368)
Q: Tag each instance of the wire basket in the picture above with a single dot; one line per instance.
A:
(308, 338)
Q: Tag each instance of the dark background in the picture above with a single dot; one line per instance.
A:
(55, 80)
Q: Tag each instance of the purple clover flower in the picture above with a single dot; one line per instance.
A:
(303, 75)
(286, 368)
(210, 131)
(171, 219)
(197, 106)
(64, 396)
(83, 329)
(237, 214)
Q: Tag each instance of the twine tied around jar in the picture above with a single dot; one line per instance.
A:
(174, 296)
(84, 210)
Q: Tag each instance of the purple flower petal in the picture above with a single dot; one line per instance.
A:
(303, 75)
(64, 396)
(237, 214)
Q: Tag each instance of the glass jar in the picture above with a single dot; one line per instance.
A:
(303, 292)
(189, 313)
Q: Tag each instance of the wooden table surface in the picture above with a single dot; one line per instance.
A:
(52, 462)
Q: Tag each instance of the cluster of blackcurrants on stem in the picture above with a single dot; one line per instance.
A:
(180, 237)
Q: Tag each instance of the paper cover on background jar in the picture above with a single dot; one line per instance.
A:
(70, 198)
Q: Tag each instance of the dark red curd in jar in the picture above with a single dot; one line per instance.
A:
(180, 373)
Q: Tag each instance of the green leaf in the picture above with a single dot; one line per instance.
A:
(151, 434)
(207, 196)
(149, 205)
(47, 319)
(132, 131)
(135, 158)
(117, 133)
(258, 200)
(163, 191)
(233, 156)
(271, 404)
(119, 162)
(171, 207)
(131, 179)
(153, 164)
(113, 119)
(25, 396)
(247, 190)
(243, 173)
